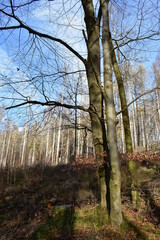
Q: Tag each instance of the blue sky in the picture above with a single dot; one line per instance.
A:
(66, 22)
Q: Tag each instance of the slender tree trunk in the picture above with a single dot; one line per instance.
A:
(144, 125)
(122, 95)
(75, 123)
(82, 141)
(125, 113)
(115, 180)
(47, 144)
(30, 157)
(158, 90)
(13, 158)
(137, 116)
(95, 94)
(53, 143)
(78, 139)
(7, 150)
(79, 122)
(25, 140)
(3, 148)
(61, 151)
(34, 152)
(60, 126)
(122, 134)
(134, 124)
(67, 152)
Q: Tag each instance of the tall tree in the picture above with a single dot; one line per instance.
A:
(96, 15)
(115, 180)
(122, 95)
(95, 94)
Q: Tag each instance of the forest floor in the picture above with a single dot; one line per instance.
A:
(26, 210)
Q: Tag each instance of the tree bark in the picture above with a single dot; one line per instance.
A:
(53, 143)
(3, 149)
(47, 142)
(95, 94)
(23, 156)
(122, 95)
(60, 126)
(115, 180)
(157, 92)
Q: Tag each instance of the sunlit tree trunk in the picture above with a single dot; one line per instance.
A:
(158, 90)
(3, 149)
(95, 94)
(115, 180)
(34, 152)
(122, 95)
(60, 126)
(47, 143)
(79, 122)
(135, 128)
(53, 143)
(87, 146)
(7, 150)
(25, 140)
(67, 150)
(122, 134)
(144, 125)
(61, 151)
(81, 150)
(12, 154)
(29, 158)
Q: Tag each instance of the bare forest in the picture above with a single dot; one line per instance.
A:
(79, 119)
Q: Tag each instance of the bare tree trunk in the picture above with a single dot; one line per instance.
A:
(3, 148)
(158, 90)
(33, 153)
(115, 180)
(53, 144)
(12, 165)
(144, 125)
(134, 126)
(87, 146)
(122, 134)
(7, 150)
(79, 122)
(47, 143)
(125, 115)
(25, 140)
(61, 151)
(67, 152)
(60, 126)
(95, 94)
(82, 142)
(75, 125)
(30, 157)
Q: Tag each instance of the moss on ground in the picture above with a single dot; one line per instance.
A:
(26, 216)
(58, 226)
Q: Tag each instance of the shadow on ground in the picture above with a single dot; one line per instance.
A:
(23, 205)
(24, 213)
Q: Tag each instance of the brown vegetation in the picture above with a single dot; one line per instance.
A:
(24, 213)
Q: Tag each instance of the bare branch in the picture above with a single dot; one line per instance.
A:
(42, 35)
(10, 27)
(134, 100)
(49, 103)
(138, 38)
